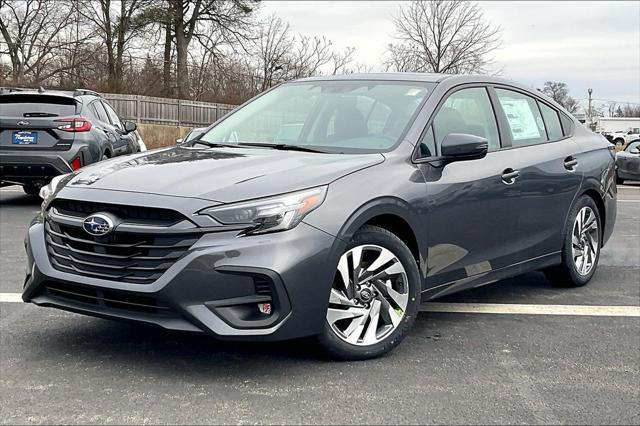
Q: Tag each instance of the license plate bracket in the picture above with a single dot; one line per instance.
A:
(24, 138)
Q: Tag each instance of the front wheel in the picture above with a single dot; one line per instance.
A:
(581, 248)
(374, 298)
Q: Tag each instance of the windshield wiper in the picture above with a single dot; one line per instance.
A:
(213, 144)
(283, 147)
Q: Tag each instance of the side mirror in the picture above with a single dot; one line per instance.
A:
(635, 151)
(461, 146)
(130, 126)
(179, 141)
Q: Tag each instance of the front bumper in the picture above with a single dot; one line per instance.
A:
(213, 288)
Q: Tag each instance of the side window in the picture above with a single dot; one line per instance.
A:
(427, 144)
(523, 117)
(567, 125)
(99, 111)
(551, 121)
(112, 116)
(467, 111)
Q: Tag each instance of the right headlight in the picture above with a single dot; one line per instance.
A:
(49, 191)
(270, 214)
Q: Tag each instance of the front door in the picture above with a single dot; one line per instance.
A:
(472, 212)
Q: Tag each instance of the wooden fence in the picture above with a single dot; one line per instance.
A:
(174, 112)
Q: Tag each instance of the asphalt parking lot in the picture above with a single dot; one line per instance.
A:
(530, 365)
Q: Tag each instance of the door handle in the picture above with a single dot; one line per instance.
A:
(570, 163)
(509, 176)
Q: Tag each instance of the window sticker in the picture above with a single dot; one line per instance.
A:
(521, 120)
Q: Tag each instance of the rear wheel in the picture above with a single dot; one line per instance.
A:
(374, 298)
(581, 248)
(619, 180)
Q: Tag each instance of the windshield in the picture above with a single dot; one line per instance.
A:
(332, 116)
(633, 146)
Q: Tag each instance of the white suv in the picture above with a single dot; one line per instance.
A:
(623, 138)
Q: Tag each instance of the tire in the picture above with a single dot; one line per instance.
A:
(354, 335)
(619, 180)
(105, 156)
(32, 190)
(578, 271)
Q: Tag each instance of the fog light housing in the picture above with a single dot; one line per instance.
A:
(264, 308)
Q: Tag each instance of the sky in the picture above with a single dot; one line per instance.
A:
(584, 44)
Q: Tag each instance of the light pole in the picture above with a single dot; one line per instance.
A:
(589, 110)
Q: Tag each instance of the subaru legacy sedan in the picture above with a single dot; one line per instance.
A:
(330, 207)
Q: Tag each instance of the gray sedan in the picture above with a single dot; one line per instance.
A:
(628, 162)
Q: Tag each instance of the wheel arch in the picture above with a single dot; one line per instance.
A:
(597, 198)
(394, 215)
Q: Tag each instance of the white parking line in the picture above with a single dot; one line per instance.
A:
(629, 201)
(505, 308)
(11, 297)
(487, 308)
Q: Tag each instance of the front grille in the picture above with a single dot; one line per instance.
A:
(106, 298)
(131, 257)
(130, 214)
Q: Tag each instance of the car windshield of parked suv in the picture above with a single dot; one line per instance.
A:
(330, 116)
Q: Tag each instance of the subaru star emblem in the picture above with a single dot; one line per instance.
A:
(23, 123)
(98, 224)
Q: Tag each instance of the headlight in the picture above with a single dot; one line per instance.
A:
(269, 214)
(48, 192)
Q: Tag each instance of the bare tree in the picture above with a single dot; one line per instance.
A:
(116, 23)
(229, 17)
(32, 31)
(273, 45)
(442, 36)
(559, 92)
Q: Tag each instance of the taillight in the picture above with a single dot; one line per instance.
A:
(74, 124)
(76, 163)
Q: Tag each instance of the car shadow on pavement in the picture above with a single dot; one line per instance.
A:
(15, 198)
(101, 341)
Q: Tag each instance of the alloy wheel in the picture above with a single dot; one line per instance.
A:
(585, 241)
(369, 295)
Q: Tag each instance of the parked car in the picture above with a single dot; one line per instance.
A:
(193, 133)
(399, 188)
(628, 162)
(623, 138)
(48, 133)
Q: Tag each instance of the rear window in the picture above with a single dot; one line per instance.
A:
(36, 106)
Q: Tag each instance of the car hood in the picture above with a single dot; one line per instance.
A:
(220, 174)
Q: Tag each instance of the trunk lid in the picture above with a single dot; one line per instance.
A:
(28, 121)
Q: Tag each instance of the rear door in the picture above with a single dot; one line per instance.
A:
(122, 143)
(102, 123)
(546, 159)
(32, 121)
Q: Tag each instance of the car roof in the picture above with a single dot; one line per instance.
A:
(382, 76)
(449, 80)
(417, 76)
(5, 91)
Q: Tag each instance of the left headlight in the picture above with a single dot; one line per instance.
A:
(271, 214)
(48, 192)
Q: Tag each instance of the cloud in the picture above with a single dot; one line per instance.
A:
(585, 44)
